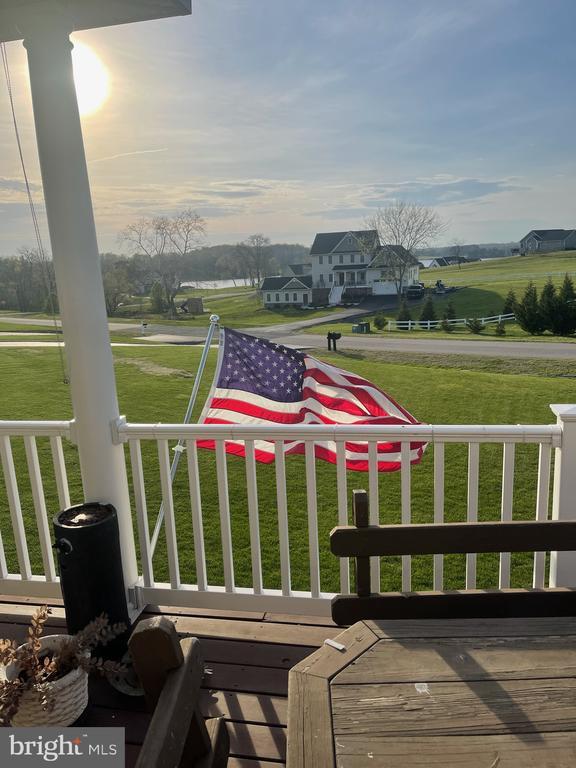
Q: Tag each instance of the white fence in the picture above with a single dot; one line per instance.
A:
(237, 535)
(431, 325)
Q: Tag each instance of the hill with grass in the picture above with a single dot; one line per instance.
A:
(483, 285)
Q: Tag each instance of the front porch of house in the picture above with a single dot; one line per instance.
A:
(248, 655)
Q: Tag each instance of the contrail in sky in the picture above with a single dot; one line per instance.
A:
(128, 154)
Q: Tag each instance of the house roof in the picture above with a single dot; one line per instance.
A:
(279, 283)
(300, 269)
(549, 234)
(384, 252)
(327, 242)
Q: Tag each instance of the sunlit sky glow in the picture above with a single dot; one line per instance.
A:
(289, 118)
(91, 79)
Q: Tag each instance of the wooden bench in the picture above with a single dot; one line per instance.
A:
(363, 541)
(171, 671)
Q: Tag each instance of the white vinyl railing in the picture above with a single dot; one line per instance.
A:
(24, 532)
(431, 325)
(239, 535)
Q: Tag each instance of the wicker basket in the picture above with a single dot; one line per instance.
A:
(70, 694)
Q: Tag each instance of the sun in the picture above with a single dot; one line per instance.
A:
(91, 79)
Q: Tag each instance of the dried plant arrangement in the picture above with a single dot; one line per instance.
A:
(39, 665)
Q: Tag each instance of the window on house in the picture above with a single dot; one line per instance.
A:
(286, 297)
(361, 277)
(330, 278)
(352, 258)
(268, 297)
(330, 259)
(320, 259)
(321, 278)
(295, 295)
(362, 258)
(277, 297)
(341, 258)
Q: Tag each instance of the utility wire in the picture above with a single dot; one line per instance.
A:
(40, 246)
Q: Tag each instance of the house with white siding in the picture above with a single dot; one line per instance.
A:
(355, 264)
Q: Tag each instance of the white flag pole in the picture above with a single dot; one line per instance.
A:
(179, 447)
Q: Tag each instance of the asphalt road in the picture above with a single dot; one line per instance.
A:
(431, 346)
(288, 334)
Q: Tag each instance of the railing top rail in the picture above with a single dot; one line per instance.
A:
(35, 428)
(456, 433)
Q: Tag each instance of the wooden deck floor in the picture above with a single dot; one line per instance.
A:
(248, 656)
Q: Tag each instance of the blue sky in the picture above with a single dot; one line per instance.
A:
(289, 118)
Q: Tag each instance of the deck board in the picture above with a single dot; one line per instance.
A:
(247, 658)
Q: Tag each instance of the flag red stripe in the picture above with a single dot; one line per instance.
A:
(364, 396)
(320, 452)
(350, 445)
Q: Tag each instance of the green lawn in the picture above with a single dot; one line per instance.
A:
(154, 385)
(240, 311)
(243, 312)
(481, 290)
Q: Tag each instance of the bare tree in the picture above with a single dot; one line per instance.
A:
(457, 251)
(408, 225)
(259, 247)
(186, 231)
(167, 242)
(149, 235)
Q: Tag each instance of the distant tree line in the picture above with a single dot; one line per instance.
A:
(27, 282)
(470, 252)
(165, 253)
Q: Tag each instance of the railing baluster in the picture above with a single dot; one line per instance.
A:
(506, 509)
(60, 472)
(473, 466)
(341, 481)
(282, 507)
(406, 511)
(40, 507)
(252, 488)
(141, 512)
(196, 507)
(15, 508)
(224, 507)
(542, 502)
(373, 510)
(312, 503)
(438, 510)
(169, 521)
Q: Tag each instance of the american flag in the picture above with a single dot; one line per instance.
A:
(259, 382)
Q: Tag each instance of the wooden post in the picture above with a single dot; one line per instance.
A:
(360, 506)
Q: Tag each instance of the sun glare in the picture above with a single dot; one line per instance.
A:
(91, 79)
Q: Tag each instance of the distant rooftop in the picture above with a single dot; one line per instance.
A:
(326, 242)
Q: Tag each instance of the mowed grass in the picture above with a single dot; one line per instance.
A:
(154, 386)
(244, 311)
(481, 291)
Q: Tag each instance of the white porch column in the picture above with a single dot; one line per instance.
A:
(78, 275)
(563, 564)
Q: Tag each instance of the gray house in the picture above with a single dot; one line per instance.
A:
(548, 240)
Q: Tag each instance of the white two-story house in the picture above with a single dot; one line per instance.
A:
(355, 264)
